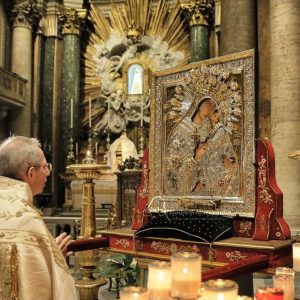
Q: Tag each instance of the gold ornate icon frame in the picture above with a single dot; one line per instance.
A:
(177, 181)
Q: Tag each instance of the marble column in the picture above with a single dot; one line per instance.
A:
(47, 65)
(238, 26)
(25, 15)
(263, 76)
(70, 81)
(285, 101)
(200, 15)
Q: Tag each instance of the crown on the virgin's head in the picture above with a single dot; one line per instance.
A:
(223, 86)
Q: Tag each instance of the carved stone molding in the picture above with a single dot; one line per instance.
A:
(25, 13)
(72, 20)
(199, 12)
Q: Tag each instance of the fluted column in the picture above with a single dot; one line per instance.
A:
(70, 80)
(285, 101)
(238, 26)
(200, 15)
(25, 15)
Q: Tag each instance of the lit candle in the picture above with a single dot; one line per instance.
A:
(76, 149)
(133, 293)
(286, 283)
(269, 293)
(159, 280)
(285, 271)
(142, 112)
(219, 289)
(186, 275)
(90, 112)
(71, 113)
(296, 257)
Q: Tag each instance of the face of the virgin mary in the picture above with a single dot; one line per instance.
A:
(204, 110)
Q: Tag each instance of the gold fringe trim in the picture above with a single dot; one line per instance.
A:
(14, 262)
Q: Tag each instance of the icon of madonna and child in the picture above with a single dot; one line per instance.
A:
(200, 157)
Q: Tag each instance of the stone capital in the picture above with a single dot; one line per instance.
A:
(72, 20)
(25, 13)
(199, 12)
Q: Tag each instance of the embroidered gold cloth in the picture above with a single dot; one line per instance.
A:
(42, 272)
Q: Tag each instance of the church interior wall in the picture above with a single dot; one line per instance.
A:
(42, 85)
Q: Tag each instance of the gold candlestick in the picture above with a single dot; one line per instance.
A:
(88, 285)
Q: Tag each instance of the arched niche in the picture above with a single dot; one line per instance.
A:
(136, 79)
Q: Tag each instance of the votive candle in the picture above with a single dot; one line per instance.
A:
(269, 293)
(133, 293)
(186, 275)
(296, 257)
(286, 283)
(159, 280)
(219, 289)
(285, 271)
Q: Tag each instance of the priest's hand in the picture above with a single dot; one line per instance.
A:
(63, 240)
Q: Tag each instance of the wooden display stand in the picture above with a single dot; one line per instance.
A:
(264, 245)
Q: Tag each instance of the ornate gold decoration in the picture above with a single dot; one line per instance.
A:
(14, 262)
(235, 255)
(127, 35)
(123, 243)
(138, 245)
(25, 13)
(245, 227)
(212, 253)
(239, 87)
(8, 271)
(72, 19)
(262, 223)
(160, 247)
(199, 12)
(264, 194)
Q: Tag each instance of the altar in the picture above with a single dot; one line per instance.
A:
(219, 253)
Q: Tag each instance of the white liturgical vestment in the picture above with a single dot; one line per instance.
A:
(32, 267)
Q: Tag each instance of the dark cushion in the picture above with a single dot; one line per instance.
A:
(187, 225)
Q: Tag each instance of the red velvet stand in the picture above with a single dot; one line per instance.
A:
(140, 216)
(268, 224)
(269, 221)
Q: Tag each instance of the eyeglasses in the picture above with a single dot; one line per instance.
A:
(46, 166)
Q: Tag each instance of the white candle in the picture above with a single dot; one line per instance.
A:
(219, 289)
(186, 275)
(90, 112)
(286, 283)
(159, 280)
(133, 293)
(71, 113)
(76, 149)
(285, 271)
(96, 148)
(142, 112)
(296, 257)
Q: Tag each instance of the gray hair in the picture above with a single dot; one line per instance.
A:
(17, 155)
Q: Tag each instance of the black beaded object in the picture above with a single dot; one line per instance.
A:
(187, 225)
